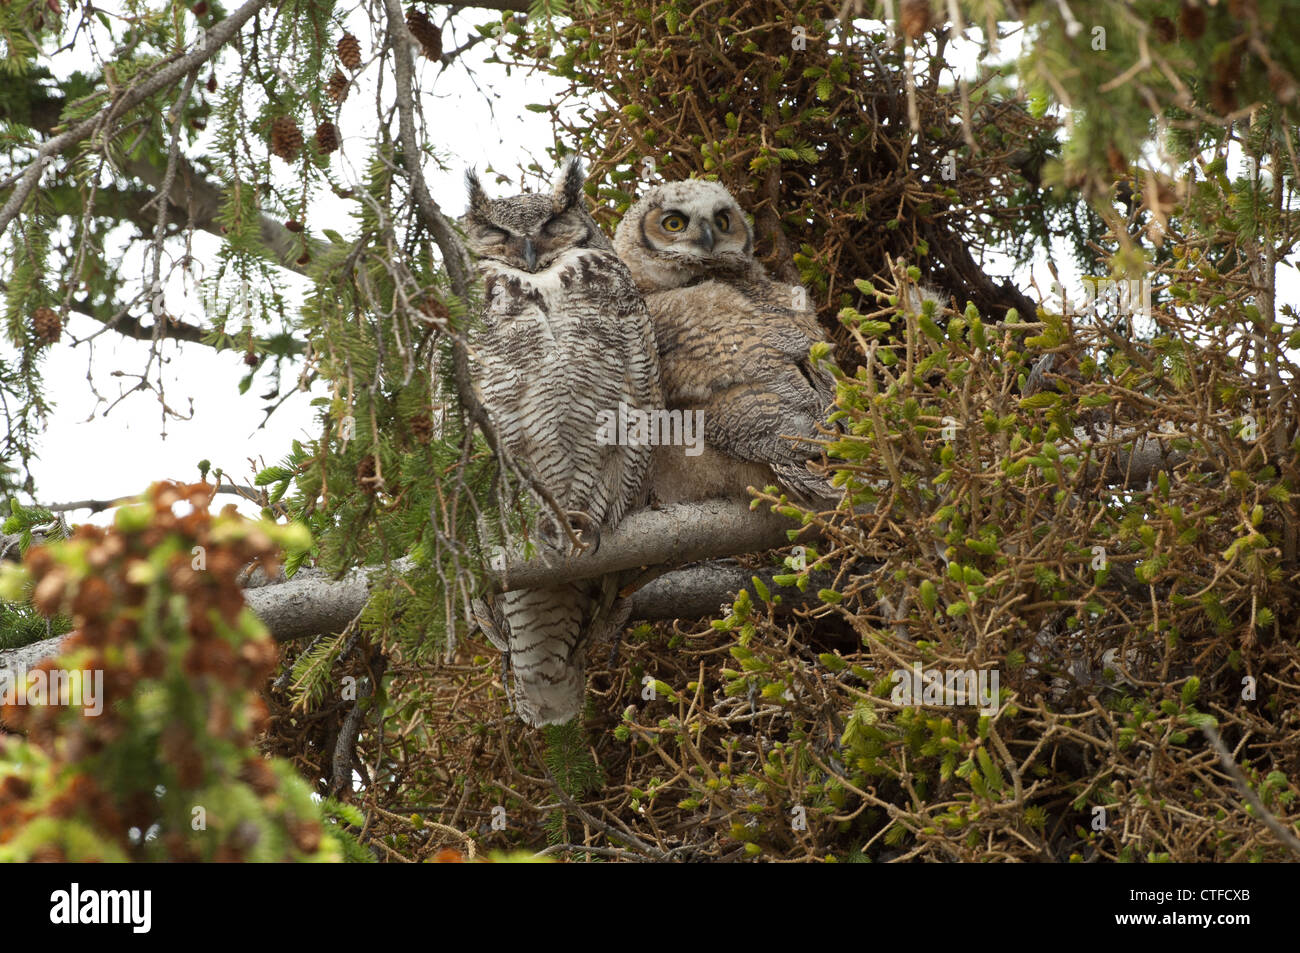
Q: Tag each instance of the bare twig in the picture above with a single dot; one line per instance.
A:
(1229, 763)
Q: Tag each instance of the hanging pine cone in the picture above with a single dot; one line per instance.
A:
(422, 428)
(349, 50)
(338, 87)
(428, 35)
(47, 325)
(914, 17)
(327, 137)
(212, 83)
(435, 308)
(1191, 21)
(1282, 84)
(286, 138)
(251, 358)
(366, 474)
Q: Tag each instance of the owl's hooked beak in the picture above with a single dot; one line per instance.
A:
(530, 254)
(705, 240)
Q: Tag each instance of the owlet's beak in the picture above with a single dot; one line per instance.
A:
(705, 240)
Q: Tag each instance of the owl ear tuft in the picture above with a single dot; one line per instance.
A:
(477, 196)
(568, 185)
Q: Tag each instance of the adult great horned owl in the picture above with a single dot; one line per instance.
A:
(733, 343)
(564, 339)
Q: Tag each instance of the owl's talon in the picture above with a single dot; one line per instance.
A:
(582, 533)
(584, 527)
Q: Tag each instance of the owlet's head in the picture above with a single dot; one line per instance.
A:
(530, 231)
(682, 231)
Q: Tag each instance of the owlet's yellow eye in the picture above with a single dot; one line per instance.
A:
(723, 221)
(673, 223)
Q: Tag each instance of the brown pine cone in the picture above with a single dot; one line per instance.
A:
(47, 325)
(338, 87)
(422, 428)
(1191, 21)
(327, 137)
(286, 138)
(914, 17)
(366, 470)
(428, 35)
(259, 776)
(349, 49)
(306, 835)
(435, 308)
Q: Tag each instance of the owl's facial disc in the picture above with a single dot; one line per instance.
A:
(696, 235)
(530, 232)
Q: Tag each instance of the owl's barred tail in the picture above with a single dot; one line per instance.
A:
(546, 633)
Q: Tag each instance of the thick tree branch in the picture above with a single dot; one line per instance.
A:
(677, 535)
(252, 494)
(686, 533)
(705, 589)
(312, 602)
(670, 536)
(132, 327)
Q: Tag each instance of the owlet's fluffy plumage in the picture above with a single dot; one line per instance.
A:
(564, 338)
(733, 343)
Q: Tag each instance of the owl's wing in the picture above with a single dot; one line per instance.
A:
(619, 366)
(748, 368)
(557, 355)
